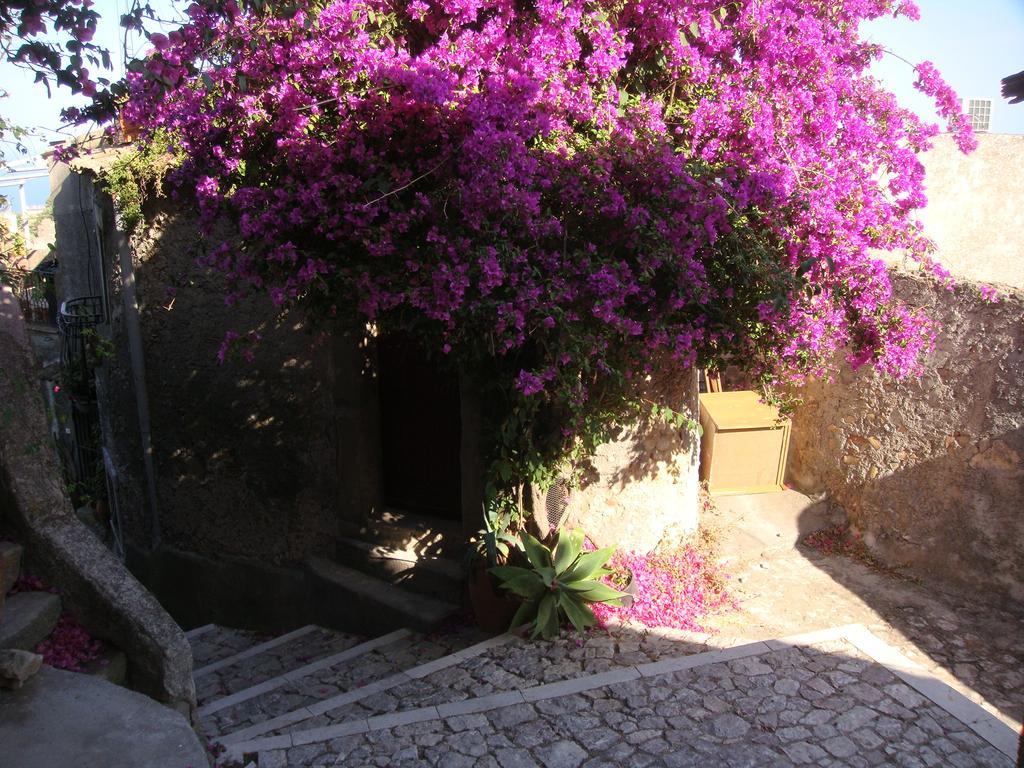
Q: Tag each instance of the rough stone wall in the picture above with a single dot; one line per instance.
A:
(244, 450)
(642, 486)
(930, 470)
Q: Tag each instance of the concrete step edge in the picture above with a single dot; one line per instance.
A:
(255, 650)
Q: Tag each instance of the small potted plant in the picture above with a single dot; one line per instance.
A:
(621, 578)
(492, 547)
(559, 582)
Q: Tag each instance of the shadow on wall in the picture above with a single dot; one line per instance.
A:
(243, 450)
(931, 470)
(930, 474)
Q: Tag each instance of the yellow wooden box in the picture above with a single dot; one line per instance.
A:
(744, 443)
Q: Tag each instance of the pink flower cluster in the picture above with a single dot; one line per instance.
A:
(574, 187)
(673, 590)
(70, 646)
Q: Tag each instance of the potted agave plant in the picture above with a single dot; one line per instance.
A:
(560, 582)
(492, 547)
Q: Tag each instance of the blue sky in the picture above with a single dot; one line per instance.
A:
(973, 44)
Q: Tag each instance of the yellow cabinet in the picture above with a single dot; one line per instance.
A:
(743, 447)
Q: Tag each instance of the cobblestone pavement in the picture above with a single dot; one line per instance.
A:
(971, 644)
(220, 642)
(310, 689)
(310, 647)
(519, 664)
(824, 705)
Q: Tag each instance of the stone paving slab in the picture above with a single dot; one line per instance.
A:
(823, 699)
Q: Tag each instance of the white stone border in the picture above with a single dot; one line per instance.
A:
(192, 634)
(297, 674)
(255, 650)
(243, 737)
(986, 725)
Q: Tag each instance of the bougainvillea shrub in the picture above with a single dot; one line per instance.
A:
(558, 195)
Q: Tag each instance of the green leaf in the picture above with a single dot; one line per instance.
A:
(528, 585)
(538, 555)
(547, 617)
(526, 613)
(567, 550)
(578, 613)
(595, 591)
(588, 565)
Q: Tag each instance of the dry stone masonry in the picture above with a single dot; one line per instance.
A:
(930, 470)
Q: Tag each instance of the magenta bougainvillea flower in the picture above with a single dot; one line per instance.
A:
(571, 189)
(675, 590)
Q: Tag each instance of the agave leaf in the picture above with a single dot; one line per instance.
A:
(579, 614)
(547, 617)
(547, 574)
(526, 613)
(594, 591)
(567, 549)
(538, 555)
(588, 565)
(527, 585)
(506, 572)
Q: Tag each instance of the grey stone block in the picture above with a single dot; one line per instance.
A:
(17, 666)
(29, 618)
(10, 564)
(62, 718)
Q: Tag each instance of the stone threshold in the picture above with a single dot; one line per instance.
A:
(986, 725)
(245, 735)
(297, 674)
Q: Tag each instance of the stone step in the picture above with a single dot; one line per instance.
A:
(352, 668)
(368, 605)
(426, 536)
(438, 577)
(269, 660)
(10, 565)
(515, 664)
(63, 719)
(29, 617)
(311, 696)
(216, 643)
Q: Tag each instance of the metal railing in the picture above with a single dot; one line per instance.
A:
(35, 291)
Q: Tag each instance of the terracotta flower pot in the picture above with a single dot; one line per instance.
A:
(493, 611)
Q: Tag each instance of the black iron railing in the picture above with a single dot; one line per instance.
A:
(76, 322)
(35, 292)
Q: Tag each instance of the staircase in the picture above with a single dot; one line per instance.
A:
(281, 701)
(29, 617)
(398, 570)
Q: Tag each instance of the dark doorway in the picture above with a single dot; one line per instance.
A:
(420, 431)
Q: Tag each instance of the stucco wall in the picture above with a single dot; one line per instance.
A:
(930, 469)
(974, 207)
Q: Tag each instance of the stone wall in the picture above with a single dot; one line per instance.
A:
(245, 450)
(973, 202)
(930, 470)
(642, 486)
